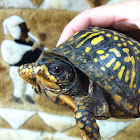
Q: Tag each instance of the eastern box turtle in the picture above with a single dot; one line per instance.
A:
(95, 73)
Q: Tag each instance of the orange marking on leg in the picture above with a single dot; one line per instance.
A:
(95, 135)
(88, 128)
(80, 124)
(82, 107)
(79, 115)
(95, 125)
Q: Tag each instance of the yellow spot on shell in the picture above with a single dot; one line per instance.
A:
(102, 57)
(114, 33)
(64, 53)
(108, 35)
(125, 44)
(95, 60)
(61, 47)
(136, 50)
(107, 86)
(87, 49)
(90, 67)
(139, 91)
(95, 30)
(71, 42)
(70, 39)
(120, 74)
(114, 50)
(122, 39)
(96, 40)
(138, 44)
(81, 103)
(128, 59)
(110, 62)
(84, 35)
(88, 37)
(134, 85)
(115, 38)
(128, 105)
(119, 44)
(127, 76)
(112, 77)
(117, 98)
(130, 42)
(100, 51)
(117, 65)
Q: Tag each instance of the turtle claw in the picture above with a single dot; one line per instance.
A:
(17, 99)
(29, 99)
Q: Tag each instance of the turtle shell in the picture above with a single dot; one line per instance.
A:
(109, 58)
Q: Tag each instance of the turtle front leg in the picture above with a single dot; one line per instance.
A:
(85, 120)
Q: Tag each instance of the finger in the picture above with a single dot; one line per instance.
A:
(117, 16)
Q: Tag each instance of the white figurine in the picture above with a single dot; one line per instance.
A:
(15, 53)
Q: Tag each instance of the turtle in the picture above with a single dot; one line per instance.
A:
(95, 73)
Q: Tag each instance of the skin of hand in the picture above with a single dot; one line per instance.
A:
(122, 17)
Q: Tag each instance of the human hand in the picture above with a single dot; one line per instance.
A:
(123, 17)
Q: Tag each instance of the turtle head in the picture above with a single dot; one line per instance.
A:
(60, 81)
(56, 77)
(55, 74)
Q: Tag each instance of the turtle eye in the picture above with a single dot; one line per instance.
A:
(56, 69)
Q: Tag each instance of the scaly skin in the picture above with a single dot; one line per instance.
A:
(85, 120)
